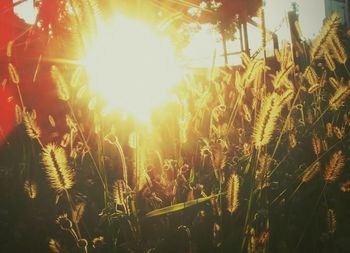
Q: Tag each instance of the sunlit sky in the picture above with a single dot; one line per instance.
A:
(311, 16)
(312, 13)
(200, 51)
(125, 47)
(26, 11)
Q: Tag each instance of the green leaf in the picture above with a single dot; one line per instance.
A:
(192, 175)
(179, 206)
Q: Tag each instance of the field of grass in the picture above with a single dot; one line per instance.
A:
(251, 158)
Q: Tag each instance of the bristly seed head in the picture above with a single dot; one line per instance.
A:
(61, 177)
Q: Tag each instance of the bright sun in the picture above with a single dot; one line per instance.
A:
(132, 67)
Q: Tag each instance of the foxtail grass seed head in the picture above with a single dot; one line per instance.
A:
(78, 212)
(247, 114)
(339, 132)
(292, 140)
(334, 167)
(316, 145)
(246, 149)
(252, 241)
(338, 49)
(334, 82)
(329, 30)
(215, 206)
(55, 246)
(263, 170)
(310, 172)
(219, 155)
(309, 116)
(71, 124)
(286, 97)
(19, 116)
(65, 140)
(31, 125)
(324, 145)
(30, 188)
(311, 76)
(252, 71)
(339, 97)
(314, 87)
(52, 121)
(261, 14)
(345, 187)
(60, 176)
(331, 221)
(264, 163)
(329, 61)
(9, 49)
(232, 193)
(281, 78)
(81, 92)
(13, 74)
(290, 124)
(245, 59)
(266, 123)
(329, 129)
(239, 83)
(61, 85)
(119, 192)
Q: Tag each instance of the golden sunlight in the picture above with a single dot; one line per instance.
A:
(132, 67)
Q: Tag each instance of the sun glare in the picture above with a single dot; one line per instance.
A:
(132, 67)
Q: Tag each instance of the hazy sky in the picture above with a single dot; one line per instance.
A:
(311, 14)
(26, 11)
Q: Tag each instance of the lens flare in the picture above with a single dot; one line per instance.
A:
(132, 67)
